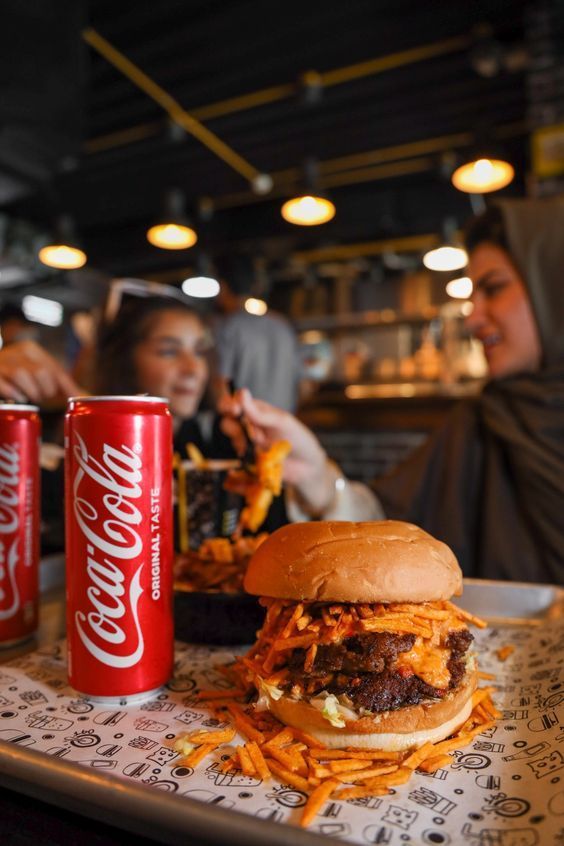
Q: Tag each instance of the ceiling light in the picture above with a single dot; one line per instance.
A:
(446, 258)
(253, 305)
(62, 256)
(42, 310)
(171, 236)
(483, 175)
(460, 288)
(262, 184)
(308, 210)
(311, 208)
(63, 253)
(173, 231)
(202, 287)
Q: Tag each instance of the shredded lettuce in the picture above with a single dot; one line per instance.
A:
(266, 693)
(183, 746)
(330, 709)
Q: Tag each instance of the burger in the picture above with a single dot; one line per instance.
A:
(361, 646)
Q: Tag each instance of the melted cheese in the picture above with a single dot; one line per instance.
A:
(427, 661)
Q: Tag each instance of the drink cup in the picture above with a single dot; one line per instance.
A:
(118, 492)
(19, 522)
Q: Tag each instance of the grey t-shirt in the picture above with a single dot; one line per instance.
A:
(261, 354)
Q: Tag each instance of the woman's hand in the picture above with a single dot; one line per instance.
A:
(29, 372)
(306, 467)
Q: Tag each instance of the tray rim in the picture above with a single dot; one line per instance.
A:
(136, 807)
(510, 583)
(554, 611)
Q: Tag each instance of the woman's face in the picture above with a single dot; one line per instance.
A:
(171, 361)
(502, 318)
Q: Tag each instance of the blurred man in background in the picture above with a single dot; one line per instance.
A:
(259, 352)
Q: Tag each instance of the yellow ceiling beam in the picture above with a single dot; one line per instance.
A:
(275, 93)
(394, 60)
(245, 101)
(371, 174)
(398, 151)
(122, 137)
(344, 252)
(347, 169)
(407, 244)
(171, 106)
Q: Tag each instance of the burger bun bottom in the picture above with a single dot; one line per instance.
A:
(392, 731)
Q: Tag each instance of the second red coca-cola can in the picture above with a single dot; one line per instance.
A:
(19, 521)
(118, 501)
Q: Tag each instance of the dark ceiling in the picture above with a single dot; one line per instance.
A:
(449, 74)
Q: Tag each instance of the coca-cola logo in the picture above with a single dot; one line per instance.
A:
(9, 524)
(108, 522)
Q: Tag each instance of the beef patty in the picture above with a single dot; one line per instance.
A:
(362, 669)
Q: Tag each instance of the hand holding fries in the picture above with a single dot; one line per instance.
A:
(306, 466)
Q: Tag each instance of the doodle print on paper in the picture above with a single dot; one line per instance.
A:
(503, 789)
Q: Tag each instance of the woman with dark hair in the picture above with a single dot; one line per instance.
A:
(159, 345)
(490, 483)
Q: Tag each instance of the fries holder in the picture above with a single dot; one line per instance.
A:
(204, 509)
(216, 618)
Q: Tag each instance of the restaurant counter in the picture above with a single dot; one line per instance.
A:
(368, 429)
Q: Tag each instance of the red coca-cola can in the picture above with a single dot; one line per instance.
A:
(20, 430)
(118, 492)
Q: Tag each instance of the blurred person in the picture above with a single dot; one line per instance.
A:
(149, 341)
(155, 343)
(490, 482)
(28, 373)
(161, 346)
(256, 352)
(15, 326)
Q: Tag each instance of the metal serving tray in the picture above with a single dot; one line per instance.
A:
(169, 818)
(136, 808)
(511, 603)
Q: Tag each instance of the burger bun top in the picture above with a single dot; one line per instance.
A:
(334, 561)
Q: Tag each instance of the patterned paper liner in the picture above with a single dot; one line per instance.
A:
(507, 789)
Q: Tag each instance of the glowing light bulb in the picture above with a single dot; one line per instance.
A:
(482, 176)
(460, 289)
(308, 210)
(446, 258)
(202, 287)
(171, 236)
(255, 306)
(62, 256)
